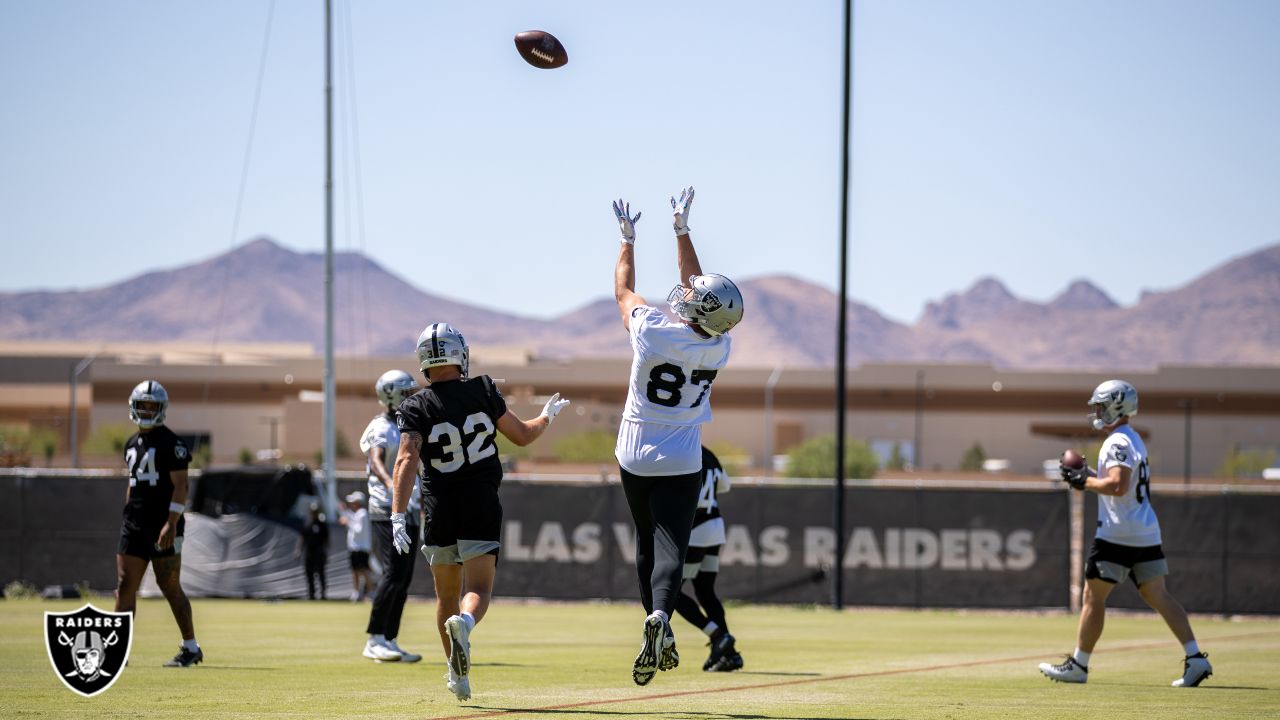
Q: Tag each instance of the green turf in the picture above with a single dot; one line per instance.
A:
(549, 661)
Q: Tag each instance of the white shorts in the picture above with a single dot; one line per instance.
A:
(650, 449)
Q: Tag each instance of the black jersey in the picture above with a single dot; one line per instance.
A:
(712, 476)
(457, 420)
(151, 458)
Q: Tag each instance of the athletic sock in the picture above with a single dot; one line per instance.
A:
(1192, 648)
(191, 645)
(377, 639)
(470, 620)
(711, 629)
(1081, 657)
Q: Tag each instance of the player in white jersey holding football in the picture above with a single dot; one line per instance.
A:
(1127, 542)
(659, 447)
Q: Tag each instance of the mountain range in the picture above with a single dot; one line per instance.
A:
(264, 292)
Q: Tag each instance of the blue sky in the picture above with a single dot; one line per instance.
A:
(1133, 144)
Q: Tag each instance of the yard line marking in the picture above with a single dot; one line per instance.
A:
(828, 678)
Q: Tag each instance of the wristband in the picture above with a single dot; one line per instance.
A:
(177, 507)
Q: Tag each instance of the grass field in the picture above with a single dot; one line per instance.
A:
(549, 661)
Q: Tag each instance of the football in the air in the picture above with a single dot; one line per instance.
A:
(541, 49)
(1072, 459)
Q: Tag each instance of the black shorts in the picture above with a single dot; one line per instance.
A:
(460, 521)
(359, 559)
(140, 540)
(1113, 563)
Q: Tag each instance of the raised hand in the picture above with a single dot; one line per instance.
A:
(554, 406)
(626, 223)
(680, 211)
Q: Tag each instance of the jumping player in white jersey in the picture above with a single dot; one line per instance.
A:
(1127, 542)
(659, 446)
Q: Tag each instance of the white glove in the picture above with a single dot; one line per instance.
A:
(626, 224)
(680, 211)
(399, 535)
(553, 407)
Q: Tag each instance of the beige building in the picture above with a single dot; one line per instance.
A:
(260, 397)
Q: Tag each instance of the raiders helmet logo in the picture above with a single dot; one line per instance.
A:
(88, 647)
(180, 451)
(710, 303)
(400, 421)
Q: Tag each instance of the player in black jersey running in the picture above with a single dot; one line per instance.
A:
(449, 428)
(153, 524)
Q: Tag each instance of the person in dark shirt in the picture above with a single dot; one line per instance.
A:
(154, 504)
(449, 429)
(314, 547)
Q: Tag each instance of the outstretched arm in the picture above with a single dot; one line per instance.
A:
(523, 432)
(624, 273)
(686, 256)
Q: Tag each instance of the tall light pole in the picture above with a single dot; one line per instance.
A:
(916, 453)
(75, 379)
(768, 419)
(841, 352)
(329, 391)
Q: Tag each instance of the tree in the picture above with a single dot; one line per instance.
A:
(973, 458)
(732, 457)
(246, 456)
(109, 440)
(593, 446)
(45, 442)
(816, 458)
(897, 461)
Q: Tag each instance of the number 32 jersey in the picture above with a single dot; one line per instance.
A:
(669, 397)
(457, 420)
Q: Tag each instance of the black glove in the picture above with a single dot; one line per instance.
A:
(1074, 477)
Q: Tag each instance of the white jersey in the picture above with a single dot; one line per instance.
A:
(384, 433)
(1128, 519)
(669, 397)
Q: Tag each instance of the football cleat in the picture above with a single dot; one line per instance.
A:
(380, 652)
(1069, 671)
(459, 646)
(405, 655)
(459, 686)
(1195, 669)
(186, 658)
(668, 659)
(721, 648)
(728, 663)
(646, 664)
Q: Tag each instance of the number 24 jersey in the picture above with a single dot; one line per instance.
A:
(457, 420)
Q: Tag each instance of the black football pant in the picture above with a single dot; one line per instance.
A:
(314, 567)
(393, 589)
(662, 508)
(704, 587)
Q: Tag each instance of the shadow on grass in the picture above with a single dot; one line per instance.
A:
(677, 715)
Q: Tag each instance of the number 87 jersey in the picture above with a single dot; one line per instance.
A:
(672, 370)
(457, 420)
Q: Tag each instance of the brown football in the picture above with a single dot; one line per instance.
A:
(541, 49)
(1072, 459)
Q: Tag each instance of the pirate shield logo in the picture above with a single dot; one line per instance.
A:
(88, 647)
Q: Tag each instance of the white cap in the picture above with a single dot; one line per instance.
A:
(356, 496)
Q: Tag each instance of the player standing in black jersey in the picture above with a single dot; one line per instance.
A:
(702, 564)
(448, 428)
(153, 525)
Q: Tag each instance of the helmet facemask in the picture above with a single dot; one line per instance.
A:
(147, 404)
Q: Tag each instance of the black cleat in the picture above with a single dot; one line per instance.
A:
(728, 663)
(186, 658)
(720, 649)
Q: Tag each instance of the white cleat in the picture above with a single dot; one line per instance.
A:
(381, 653)
(405, 655)
(459, 686)
(646, 664)
(459, 647)
(668, 659)
(1069, 671)
(1195, 669)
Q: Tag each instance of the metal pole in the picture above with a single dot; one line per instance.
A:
(768, 419)
(916, 453)
(841, 351)
(329, 391)
(74, 429)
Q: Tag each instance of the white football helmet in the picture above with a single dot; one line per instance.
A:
(441, 344)
(147, 404)
(1111, 400)
(393, 387)
(712, 302)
